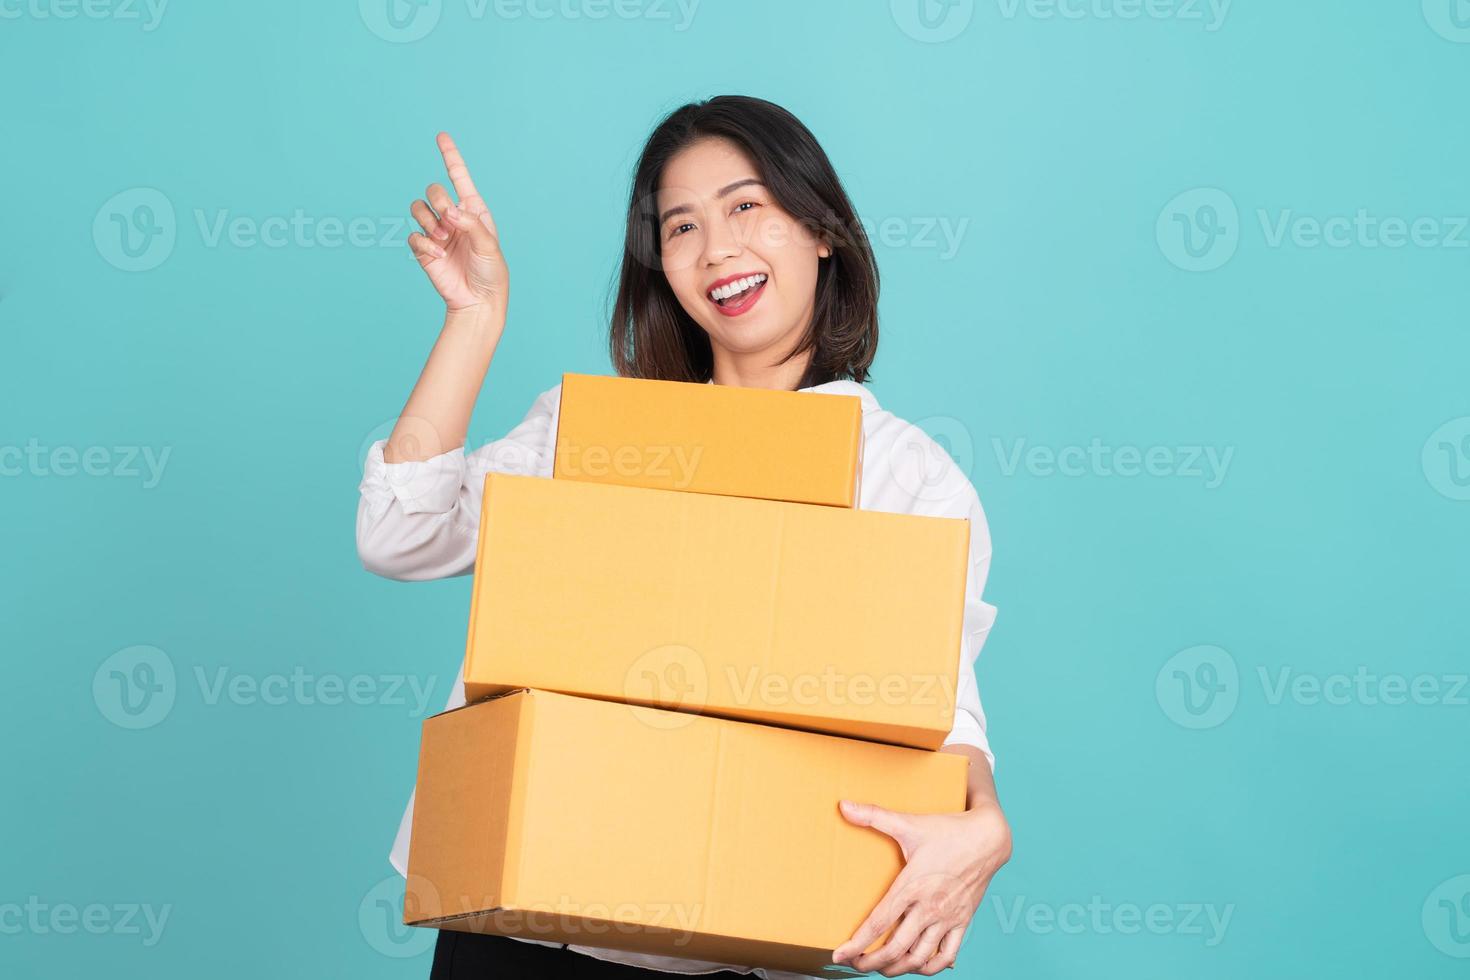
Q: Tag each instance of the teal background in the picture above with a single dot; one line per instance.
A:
(1334, 834)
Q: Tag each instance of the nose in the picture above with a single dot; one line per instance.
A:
(721, 241)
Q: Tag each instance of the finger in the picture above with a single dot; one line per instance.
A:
(921, 951)
(464, 187)
(439, 198)
(878, 922)
(423, 249)
(482, 240)
(890, 822)
(442, 202)
(910, 928)
(459, 174)
(427, 220)
(949, 952)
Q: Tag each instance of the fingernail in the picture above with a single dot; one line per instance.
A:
(440, 252)
(441, 234)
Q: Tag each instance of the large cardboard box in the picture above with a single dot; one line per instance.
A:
(706, 438)
(593, 823)
(839, 621)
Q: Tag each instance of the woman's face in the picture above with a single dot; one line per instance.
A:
(717, 223)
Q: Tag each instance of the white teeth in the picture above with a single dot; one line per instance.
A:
(738, 286)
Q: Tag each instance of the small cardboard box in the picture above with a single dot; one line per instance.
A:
(839, 621)
(601, 824)
(706, 438)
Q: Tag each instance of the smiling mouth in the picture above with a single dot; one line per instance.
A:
(737, 297)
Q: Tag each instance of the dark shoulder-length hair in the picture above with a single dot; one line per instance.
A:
(653, 337)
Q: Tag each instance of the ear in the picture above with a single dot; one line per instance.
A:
(824, 250)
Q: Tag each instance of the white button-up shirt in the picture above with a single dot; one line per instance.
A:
(420, 520)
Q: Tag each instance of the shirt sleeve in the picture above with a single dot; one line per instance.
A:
(419, 520)
(969, 715)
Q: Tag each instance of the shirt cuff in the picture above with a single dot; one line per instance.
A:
(427, 486)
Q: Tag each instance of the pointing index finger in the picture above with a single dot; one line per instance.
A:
(459, 174)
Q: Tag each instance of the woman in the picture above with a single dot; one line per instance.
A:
(731, 190)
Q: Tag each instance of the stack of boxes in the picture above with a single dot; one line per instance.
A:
(684, 649)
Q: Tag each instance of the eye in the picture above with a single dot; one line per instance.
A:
(679, 230)
(745, 204)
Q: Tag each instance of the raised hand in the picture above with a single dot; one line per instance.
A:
(459, 247)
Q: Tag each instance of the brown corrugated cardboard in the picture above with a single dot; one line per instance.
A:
(707, 438)
(599, 824)
(840, 621)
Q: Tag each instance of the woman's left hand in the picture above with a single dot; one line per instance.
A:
(949, 859)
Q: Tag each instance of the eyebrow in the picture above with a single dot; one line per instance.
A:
(722, 192)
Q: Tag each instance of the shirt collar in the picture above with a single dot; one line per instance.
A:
(846, 387)
(842, 386)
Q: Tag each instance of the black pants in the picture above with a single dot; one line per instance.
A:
(478, 956)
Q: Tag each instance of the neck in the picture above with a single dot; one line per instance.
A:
(746, 372)
(756, 370)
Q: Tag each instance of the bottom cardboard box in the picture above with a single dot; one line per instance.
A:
(597, 823)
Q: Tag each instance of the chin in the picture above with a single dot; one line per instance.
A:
(739, 341)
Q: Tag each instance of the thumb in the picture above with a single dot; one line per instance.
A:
(886, 821)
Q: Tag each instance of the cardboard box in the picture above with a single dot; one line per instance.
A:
(707, 438)
(839, 621)
(577, 821)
